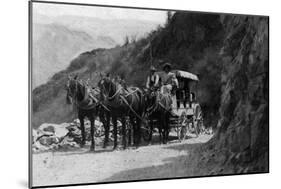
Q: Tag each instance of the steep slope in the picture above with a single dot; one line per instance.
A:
(49, 100)
(54, 46)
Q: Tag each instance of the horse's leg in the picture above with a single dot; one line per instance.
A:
(165, 126)
(151, 130)
(124, 142)
(163, 132)
(105, 118)
(82, 127)
(130, 130)
(134, 131)
(92, 120)
(138, 132)
(160, 122)
(114, 121)
(107, 127)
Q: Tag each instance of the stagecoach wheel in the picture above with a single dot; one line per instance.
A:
(198, 120)
(195, 126)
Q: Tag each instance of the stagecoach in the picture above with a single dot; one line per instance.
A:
(186, 112)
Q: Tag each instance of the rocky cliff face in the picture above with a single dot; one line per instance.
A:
(243, 129)
(244, 123)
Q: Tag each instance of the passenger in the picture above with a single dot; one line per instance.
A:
(168, 79)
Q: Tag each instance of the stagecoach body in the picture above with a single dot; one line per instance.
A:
(186, 115)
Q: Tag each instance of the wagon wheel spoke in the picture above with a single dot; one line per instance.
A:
(184, 132)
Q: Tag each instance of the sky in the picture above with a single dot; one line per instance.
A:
(54, 10)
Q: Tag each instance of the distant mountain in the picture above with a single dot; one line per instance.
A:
(55, 45)
(57, 40)
(117, 29)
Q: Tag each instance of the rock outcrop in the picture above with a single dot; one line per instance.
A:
(241, 143)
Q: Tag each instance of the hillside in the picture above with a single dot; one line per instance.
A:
(49, 102)
(189, 41)
(54, 46)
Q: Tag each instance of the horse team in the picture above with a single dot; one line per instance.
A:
(111, 102)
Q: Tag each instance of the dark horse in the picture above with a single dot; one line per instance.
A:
(158, 108)
(86, 104)
(123, 103)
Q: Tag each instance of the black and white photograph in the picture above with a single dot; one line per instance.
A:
(122, 94)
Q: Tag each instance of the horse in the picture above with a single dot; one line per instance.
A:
(123, 103)
(158, 108)
(86, 103)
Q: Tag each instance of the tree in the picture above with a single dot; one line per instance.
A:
(169, 17)
(126, 40)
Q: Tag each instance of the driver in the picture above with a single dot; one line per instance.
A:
(152, 81)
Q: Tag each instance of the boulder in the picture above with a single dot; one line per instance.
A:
(59, 130)
(65, 136)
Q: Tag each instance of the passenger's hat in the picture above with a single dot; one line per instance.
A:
(167, 65)
(152, 68)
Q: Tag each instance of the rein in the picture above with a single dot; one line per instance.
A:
(131, 92)
(125, 101)
(130, 107)
(154, 107)
(116, 93)
(86, 97)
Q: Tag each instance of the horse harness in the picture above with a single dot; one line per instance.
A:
(89, 105)
(155, 106)
(122, 97)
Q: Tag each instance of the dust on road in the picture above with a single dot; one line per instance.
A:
(146, 162)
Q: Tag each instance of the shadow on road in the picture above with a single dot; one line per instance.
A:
(85, 150)
(179, 166)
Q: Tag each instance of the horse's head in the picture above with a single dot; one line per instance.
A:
(73, 88)
(150, 97)
(107, 87)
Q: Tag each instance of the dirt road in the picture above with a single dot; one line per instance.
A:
(146, 162)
